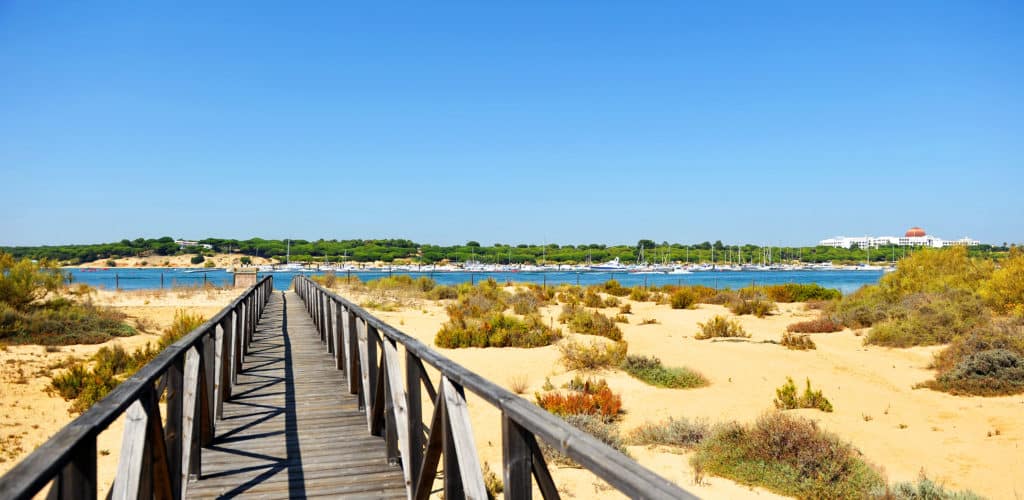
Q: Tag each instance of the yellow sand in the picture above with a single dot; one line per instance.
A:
(178, 261)
(31, 415)
(962, 442)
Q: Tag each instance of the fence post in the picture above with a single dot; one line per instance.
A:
(77, 479)
(173, 425)
(415, 407)
(517, 459)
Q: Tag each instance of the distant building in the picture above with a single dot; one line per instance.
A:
(914, 237)
(188, 243)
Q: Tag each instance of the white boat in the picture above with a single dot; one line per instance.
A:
(611, 265)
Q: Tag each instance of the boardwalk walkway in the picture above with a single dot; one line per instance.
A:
(290, 428)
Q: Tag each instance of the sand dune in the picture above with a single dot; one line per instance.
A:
(963, 442)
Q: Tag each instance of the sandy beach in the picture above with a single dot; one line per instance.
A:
(961, 442)
(221, 260)
(31, 415)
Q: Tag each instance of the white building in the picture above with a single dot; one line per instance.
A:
(188, 243)
(914, 237)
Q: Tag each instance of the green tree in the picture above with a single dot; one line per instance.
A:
(23, 282)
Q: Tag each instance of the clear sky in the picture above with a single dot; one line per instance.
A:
(760, 122)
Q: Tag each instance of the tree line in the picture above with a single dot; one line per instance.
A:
(407, 251)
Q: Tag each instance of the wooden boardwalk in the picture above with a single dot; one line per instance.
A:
(291, 429)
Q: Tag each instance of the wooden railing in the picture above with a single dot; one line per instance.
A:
(194, 375)
(368, 350)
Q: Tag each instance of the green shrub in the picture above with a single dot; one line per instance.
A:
(113, 263)
(797, 342)
(23, 282)
(683, 299)
(681, 432)
(822, 324)
(606, 432)
(1005, 333)
(752, 303)
(720, 326)
(496, 330)
(594, 355)
(587, 322)
(70, 383)
(786, 398)
(592, 299)
(925, 489)
(639, 294)
(788, 455)
(613, 287)
(1004, 292)
(443, 292)
(650, 370)
(611, 301)
(570, 294)
(993, 372)
(619, 318)
(863, 308)
(524, 302)
(196, 259)
(936, 271)
(800, 292)
(930, 318)
(61, 321)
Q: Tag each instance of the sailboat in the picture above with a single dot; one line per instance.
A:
(287, 267)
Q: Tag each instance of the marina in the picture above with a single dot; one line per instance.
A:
(846, 280)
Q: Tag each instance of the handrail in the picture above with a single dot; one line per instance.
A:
(394, 410)
(158, 455)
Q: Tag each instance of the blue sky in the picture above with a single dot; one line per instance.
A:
(759, 122)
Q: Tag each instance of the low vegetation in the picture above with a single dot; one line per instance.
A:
(604, 431)
(676, 432)
(786, 397)
(751, 301)
(800, 292)
(33, 312)
(948, 297)
(822, 324)
(85, 383)
(797, 342)
(585, 321)
(477, 319)
(683, 298)
(650, 370)
(789, 455)
(583, 397)
(593, 355)
(926, 489)
(720, 327)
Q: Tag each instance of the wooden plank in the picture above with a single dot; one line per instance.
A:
(352, 373)
(399, 408)
(413, 455)
(516, 460)
(223, 363)
(432, 455)
(364, 371)
(292, 433)
(189, 425)
(173, 425)
(541, 472)
(462, 435)
(160, 476)
(131, 457)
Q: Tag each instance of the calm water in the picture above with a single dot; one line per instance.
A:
(141, 279)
